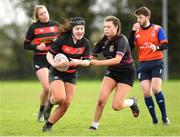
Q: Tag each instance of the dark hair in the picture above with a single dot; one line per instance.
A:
(116, 22)
(69, 24)
(143, 10)
(65, 27)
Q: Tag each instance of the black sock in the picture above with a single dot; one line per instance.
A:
(49, 124)
(49, 104)
(41, 108)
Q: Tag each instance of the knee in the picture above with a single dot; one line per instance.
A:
(58, 99)
(117, 107)
(147, 92)
(101, 103)
(156, 89)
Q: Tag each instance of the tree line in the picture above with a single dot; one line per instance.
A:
(16, 63)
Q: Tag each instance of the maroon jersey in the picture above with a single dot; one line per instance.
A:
(118, 45)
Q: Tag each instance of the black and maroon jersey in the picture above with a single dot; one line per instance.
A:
(65, 45)
(41, 33)
(110, 48)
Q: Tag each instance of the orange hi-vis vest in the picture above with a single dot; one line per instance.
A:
(155, 35)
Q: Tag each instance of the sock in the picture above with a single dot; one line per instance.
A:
(150, 105)
(161, 103)
(95, 124)
(49, 124)
(49, 104)
(129, 102)
(41, 108)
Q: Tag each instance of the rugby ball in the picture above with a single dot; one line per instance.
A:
(61, 58)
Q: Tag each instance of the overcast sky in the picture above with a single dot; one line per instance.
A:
(8, 14)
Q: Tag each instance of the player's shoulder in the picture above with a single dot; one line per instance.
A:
(156, 27)
(86, 42)
(121, 37)
(32, 26)
(121, 40)
(85, 39)
(54, 22)
(64, 37)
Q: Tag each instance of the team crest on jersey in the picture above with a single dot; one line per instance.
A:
(111, 48)
(78, 50)
(137, 36)
(41, 30)
(52, 29)
(153, 33)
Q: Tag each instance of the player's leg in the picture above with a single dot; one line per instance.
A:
(147, 92)
(70, 91)
(42, 75)
(156, 87)
(108, 84)
(156, 83)
(58, 97)
(120, 101)
(49, 105)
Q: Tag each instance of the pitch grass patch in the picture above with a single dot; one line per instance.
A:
(19, 104)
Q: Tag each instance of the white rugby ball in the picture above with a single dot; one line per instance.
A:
(61, 58)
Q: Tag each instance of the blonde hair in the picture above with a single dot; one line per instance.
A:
(35, 12)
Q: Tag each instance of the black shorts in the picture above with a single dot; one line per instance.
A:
(65, 77)
(40, 61)
(126, 75)
(150, 69)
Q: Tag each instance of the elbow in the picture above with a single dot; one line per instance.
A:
(163, 47)
(166, 48)
(25, 46)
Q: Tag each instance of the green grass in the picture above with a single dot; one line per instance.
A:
(19, 103)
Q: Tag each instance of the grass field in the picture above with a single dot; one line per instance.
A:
(19, 103)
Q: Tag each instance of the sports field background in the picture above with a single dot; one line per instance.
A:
(19, 103)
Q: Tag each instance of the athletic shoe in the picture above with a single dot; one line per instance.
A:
(40, 117)
(47, 110)
(92, 128)
(46, 129)
(134, 107)
(166, 121)
(155, 122)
